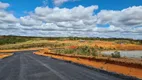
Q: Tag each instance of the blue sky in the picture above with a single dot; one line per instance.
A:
(87, 18)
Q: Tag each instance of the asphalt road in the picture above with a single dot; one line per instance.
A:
(28, 66)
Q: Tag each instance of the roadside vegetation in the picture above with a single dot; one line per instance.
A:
(81, 50)
(116, 54)
(12, 40)
(30, 44)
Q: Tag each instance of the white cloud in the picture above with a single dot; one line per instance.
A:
(28, 21)
(64, 14)
(9, 18)
(3, 5)
(69, 19)
(60, 2)
(129, 17)
(6, 17)
(111, 28)
(77, 21)
(137, 30)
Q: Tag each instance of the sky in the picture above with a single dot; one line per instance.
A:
(63, 18)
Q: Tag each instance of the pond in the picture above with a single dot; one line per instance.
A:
(129, 54)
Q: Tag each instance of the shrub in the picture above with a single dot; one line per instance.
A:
(116, 54)
(81, 50)
(12, 40)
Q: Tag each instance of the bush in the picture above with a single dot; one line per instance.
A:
(116, 54)
(12, 40)
(85, 50)
(82, 50)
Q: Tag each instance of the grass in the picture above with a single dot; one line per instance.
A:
(80, 50)
(12, 42)
(30, 44)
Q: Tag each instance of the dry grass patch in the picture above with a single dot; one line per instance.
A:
(103, 45)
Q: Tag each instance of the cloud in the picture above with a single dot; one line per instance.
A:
(111, 28)
(71, 20)
(48, 19)
(56, 14)
(129, 17)
(4, 5)
(137, 30)
(72, 23)
(60, 2)
(6, 17)
(77, 21)
(7, 20)
(28, 21)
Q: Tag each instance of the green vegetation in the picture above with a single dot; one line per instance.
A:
(16, 39)
(81, 50)
(12, 40)
(21, 42)
(31, 44)
(116, 54)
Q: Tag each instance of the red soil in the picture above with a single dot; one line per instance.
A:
(114, 66)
